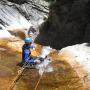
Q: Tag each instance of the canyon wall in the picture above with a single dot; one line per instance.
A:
(68, 24)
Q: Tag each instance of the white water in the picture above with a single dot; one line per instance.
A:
(44, 66)
(45, 51)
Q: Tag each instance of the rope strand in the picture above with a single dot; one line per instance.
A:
(38, 82)
(16, 78)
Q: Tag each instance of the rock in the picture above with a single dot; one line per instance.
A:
(67, 24)
(4, 34)
(21, 33)
(33, 32)
(12, 19)
(13, 43)
(63, 77)
(18, 1)
(15, 16)
(78, 56)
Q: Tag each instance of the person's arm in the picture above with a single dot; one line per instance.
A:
(33, 46)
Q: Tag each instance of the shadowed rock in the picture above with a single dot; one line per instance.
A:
(67, 24)
(18, 1)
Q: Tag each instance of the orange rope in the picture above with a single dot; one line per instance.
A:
(16, 78)
(38, 83)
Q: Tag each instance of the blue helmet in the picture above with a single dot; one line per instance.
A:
(28, 40)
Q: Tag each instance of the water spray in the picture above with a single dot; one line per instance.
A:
(41, 68)
(44, 65)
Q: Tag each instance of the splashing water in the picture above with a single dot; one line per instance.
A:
(45, 51)
(43, 67)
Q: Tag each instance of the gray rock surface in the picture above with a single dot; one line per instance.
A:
(22, 13)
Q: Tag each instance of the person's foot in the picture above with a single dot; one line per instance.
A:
(20, 64)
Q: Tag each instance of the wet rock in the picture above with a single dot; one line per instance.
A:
(2, 49)
(18, 1)
(4, 34)
(21, 33)
(80, 63)
(30, 12)
(13, 43)
(63, 77)
(11, 18)
(67, 24)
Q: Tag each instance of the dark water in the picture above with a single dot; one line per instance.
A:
(62, 78)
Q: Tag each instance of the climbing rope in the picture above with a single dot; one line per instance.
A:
(38, 82)
(16, 78)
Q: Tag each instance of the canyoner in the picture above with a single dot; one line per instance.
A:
(34, 61)
(41, 63)
(26, 53)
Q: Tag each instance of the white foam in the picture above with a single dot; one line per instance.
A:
(45, 51)
(49, 69)
(43, 67)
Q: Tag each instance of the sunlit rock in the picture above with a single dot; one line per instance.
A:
(21, 33)
(78, 56)
(62, 78)
(15, 16)
(12, 19)
(13, 43)
(4, 34)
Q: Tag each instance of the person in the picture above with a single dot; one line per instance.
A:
(26, 53)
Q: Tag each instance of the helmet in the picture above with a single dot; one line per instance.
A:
(28, 40)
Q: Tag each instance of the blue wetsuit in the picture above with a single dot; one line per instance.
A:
(26, 54)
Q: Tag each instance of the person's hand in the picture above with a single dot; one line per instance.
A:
(34, 48)
(37, 61)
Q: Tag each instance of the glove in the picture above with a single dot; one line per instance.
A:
(37, 61)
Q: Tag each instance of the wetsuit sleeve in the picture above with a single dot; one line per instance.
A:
(26, 54)
(32, 46)
(26, 57)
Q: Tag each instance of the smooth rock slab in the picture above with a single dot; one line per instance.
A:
(78, 56)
